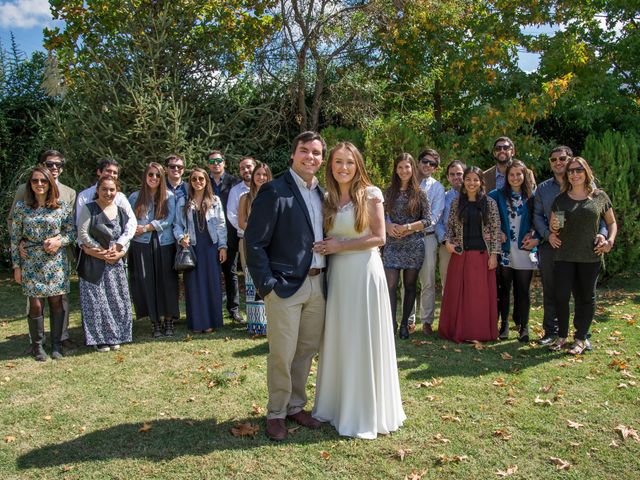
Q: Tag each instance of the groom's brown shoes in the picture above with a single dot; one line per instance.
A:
(276, 429)
(305, 419)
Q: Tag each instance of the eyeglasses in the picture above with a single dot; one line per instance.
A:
(562, 158)
(216, 161)
(153, 175)
(431, 163)
(38, 181)
(573, 171)
(175, 167)
(198, 180)
(503, 148)
(51, 165)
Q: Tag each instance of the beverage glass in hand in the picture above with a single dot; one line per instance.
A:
(560, 217)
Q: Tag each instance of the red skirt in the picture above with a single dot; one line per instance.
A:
(469, 304)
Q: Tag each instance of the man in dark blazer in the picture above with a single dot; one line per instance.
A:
(285, 222)
(503, 152)
(222, 182)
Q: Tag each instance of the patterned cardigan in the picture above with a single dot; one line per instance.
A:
(490, 230)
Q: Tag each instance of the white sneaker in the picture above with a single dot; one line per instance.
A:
(102, 348)
(115, 347)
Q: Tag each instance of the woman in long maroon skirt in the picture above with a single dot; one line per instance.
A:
(469, 307)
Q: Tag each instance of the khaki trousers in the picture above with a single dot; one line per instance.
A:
(443, 259)
(294, 332)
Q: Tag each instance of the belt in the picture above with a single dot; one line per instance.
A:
(315, 271)
(426, 234)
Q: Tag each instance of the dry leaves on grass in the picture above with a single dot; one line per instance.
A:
(256, 409)
(419, 343)
(9, 439)
(627, 432)
(499, 382)
(477, 345)
(401, 453)
(145, 428)
(442, 459)
(414, 475)
(508, 472)
(325, 455)
(293, 429)
(244, 429)
(506, 356)
(119, 358)
(542, 401)
(451, 418)
(47, 418)
(10, 365)
(503, 433)
(618, 364)
(440, 439)
(559, 463)
(572, 424)
(435, 382)
(546, 388)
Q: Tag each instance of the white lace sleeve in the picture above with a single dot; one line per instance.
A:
(374, 192)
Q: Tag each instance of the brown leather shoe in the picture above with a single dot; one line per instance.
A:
(69, 344)
(276, 429)
(427, 329)
(305, 419)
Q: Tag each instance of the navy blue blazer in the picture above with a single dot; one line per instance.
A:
(227, 183)
(279, 238)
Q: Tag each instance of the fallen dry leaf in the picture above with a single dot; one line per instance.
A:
(623, 385)
(618, 364)
(245, 429)
(572, 424)
(506, 356)
(540, 401)
(510, 401)
(119, 358)
(256, 409)
(451, 418)
(414, 475)
(439, 438)
(47, 418)
(626, 432)
(559, 463)
(82, 429)
(145, 428)
(502, 433)
(508, 472)
(10, 365)
(614, 444)
(499, 382)
(442, 459)
(401, 453)
(9, 439)
(546, 388)
(324, 454)
(293, 429)
(477, 345)
(66, 468)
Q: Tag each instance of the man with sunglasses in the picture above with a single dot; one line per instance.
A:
(222, 183)
(503, 152)
(175, 169)
(53, 160)
(545, 195)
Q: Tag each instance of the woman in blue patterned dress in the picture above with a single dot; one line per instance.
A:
(407, 215)
(256, 315)
(44, 224)
(104, 291)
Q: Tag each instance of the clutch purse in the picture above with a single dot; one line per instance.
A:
(185, 259)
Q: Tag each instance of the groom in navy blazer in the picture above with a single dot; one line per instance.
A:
(285, 222)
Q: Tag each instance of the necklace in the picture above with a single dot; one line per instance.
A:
(200, 217)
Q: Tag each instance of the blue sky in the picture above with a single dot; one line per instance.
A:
(27, 18)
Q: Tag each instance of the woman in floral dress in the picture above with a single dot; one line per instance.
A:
(44, 225)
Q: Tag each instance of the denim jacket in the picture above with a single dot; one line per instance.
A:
(526, 222)
(162, 226)
(216, 224)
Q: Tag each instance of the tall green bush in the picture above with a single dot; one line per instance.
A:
(614, 159)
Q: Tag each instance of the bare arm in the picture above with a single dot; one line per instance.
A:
(243, 217)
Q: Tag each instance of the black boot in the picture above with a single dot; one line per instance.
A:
(168, 327)
(57, 325)
(404, 329)
(504, 330)
(157, 329)
(36, 331)
(524, 334)
(395, 327)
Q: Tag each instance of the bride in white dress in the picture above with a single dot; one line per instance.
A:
(357, 389)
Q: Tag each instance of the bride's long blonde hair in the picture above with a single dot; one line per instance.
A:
(357, 190)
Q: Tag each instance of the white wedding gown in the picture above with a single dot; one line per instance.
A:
(357, 388)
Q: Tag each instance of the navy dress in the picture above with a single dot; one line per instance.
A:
(202, 285)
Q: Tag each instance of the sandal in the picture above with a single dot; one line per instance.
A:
(578, 347)
(558, 344)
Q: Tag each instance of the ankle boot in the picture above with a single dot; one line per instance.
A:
(57, 324)
(168, 327)
(524, 334)
(404, 329)
(36, 331)
(157, 329)
(504, 330)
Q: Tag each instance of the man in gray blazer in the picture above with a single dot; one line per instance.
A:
(503, 152)
(54, 161)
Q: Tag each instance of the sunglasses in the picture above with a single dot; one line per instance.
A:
(38, 181)
(575, 170)
(216, 161)
(431, 163)
(51, 165)
(501, 148)
(563, 158)
(153, 175)
(175, 167)
(198, 180)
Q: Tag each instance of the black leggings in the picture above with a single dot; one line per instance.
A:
(36, 305)
(581, 278)
(409, 283)
(521, 281)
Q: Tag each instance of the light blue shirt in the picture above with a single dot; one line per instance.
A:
(441, 227)
(435, 195)
(164, 226)
(216, 223)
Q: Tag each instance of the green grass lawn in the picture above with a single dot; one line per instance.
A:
(165, 408)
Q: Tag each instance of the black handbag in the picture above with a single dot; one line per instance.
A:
(185, 259)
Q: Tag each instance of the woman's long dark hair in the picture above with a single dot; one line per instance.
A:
(146, 198)
(413, 189)
(253, 188)
(481, 196)
(53, 195)
(208, 197)
(526, 187)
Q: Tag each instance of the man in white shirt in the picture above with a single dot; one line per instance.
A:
(246, 166)
(428, 163)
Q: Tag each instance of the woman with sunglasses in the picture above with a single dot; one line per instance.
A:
(407, 215)
(154, 282)
(575, 219)
(256, 315)
(517, 260)
(200, 223)
(44, 224)
(469, 309)
(104, 292)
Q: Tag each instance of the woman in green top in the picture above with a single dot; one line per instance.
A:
(575, 220)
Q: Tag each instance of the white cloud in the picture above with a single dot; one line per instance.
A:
(24, 14)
